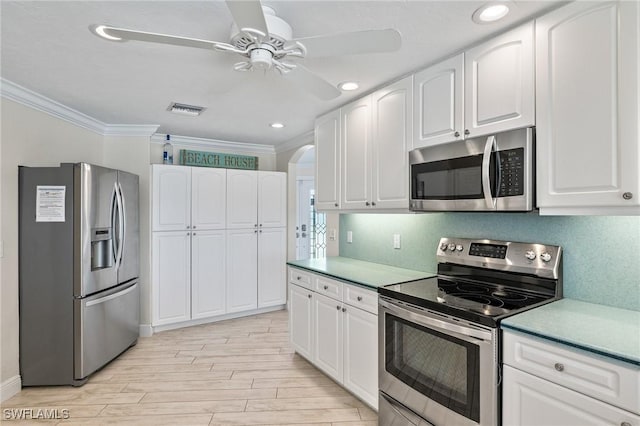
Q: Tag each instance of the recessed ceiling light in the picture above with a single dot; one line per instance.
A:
(277, 125)
(184, 109)
(100, 30)
(348, 85)
(490, 12)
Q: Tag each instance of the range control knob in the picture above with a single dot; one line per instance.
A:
(546, 257)
(459, 247)
(530, 254)
(443, 246)
(452, 246)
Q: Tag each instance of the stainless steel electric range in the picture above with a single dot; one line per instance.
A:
(439, 350)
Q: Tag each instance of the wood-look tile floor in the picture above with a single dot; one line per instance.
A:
(235, 372)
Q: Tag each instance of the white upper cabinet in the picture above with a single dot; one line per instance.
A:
(242, 199)
(171, 198)
(208, 196)
(392, 122)
(327, 145)
(272, 199)
(587, 109)
(438, 103)
(499, 83)
(355, 140)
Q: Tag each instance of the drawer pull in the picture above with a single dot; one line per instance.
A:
(558, 366)
(298, 277)
(326, 287)
(359, 298)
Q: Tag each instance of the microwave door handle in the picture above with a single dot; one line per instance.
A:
(486, 178)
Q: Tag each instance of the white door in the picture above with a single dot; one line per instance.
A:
(355, 139)
(391, 143)
(208, 198)
(208, 273)
(438, 103)
(242, 199)
(272, 199)
(499, 83)
(272, 267)
(171, 197)
(531, 401)
(327, 146)
(361, 354)
(587, 106)
(242, 269)
(303, 229)
(301, 320)
(171, 277)
(328, 342)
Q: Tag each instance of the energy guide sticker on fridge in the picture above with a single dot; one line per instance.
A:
(50, 203)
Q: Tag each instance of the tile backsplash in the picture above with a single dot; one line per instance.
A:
(601, 253)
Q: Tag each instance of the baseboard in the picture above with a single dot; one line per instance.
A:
(10, 387)
(166, 327)
(146, 330)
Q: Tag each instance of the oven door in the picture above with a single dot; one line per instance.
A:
(443, 369)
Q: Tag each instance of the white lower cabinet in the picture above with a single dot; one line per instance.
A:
(334, 325)
(242, 270)
(171, 270)
(208, 274)
(551, 384)
(272, 259)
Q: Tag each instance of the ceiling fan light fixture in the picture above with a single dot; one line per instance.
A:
(276, 125)
(184, 109)
(348, 86)
(99, 30)
(490, 12)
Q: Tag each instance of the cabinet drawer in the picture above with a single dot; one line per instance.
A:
(361, 298)
(602, 378)
(329, 287)
(303, 279)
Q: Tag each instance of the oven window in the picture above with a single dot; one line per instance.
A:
(441, 367)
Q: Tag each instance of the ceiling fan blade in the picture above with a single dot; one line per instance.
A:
(125, 34)
(313, 83)
(356, 42)
(248, 14)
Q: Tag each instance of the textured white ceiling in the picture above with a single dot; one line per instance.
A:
(47, 47)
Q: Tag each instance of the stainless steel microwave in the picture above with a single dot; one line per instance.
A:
(491, 173)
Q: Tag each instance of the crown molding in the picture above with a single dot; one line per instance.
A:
(236, 147)
(29, 98)
(301, 140)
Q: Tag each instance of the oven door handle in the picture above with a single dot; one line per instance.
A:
(424, 319)
(489, 147)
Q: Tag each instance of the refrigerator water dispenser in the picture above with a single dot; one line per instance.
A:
(101, 248)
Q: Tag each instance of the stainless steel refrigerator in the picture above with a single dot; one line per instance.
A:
(79, 268)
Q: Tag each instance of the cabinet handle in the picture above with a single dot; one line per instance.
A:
(188, 233)
(456, 134)
(255, 225)
(298, 277)
(558, 366)
(261, 225)
(255, 231)
(344, 309)
(309, 296)
(188, 227)
(326, 287)
(359, 298)
(367, 204)
(627, 195)
(194, 227)
(194, 234)
(466, 132)
(261, 231)
(336, 204)
(338, 307)
(373, 203)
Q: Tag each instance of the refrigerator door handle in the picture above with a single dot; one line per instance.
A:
(111, 296)
(121, 224)
(114, 208)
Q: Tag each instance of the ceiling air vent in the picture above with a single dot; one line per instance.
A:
(185, 109)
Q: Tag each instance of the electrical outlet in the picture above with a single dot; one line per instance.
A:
(349, 237)
(396, 241)
(332, 234)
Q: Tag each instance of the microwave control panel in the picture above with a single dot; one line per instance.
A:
(511, 172)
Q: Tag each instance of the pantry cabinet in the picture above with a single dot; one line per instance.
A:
(272, 267)
(242, 269)
(208, 273)
(328, 162)
(171, 198)
(242, 199)
(171, 271)
(334, 325)
(587, 109)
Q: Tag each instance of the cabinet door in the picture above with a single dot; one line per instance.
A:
(272, 199)
(208, 273)
(208, 198)
(242, 270)
(355, 139)
(171, 280)
(272, 267)
(328, 336)
(242, 199)
(327, 142)
(361, 354)
(530, 401)
(171, 197)
(587, 107)
(301, 320)
(438, 103)
(391, 143)
(499, 83)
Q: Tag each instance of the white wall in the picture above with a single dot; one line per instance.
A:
(29, 138)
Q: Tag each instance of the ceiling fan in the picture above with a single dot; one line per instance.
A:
(266, 41)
